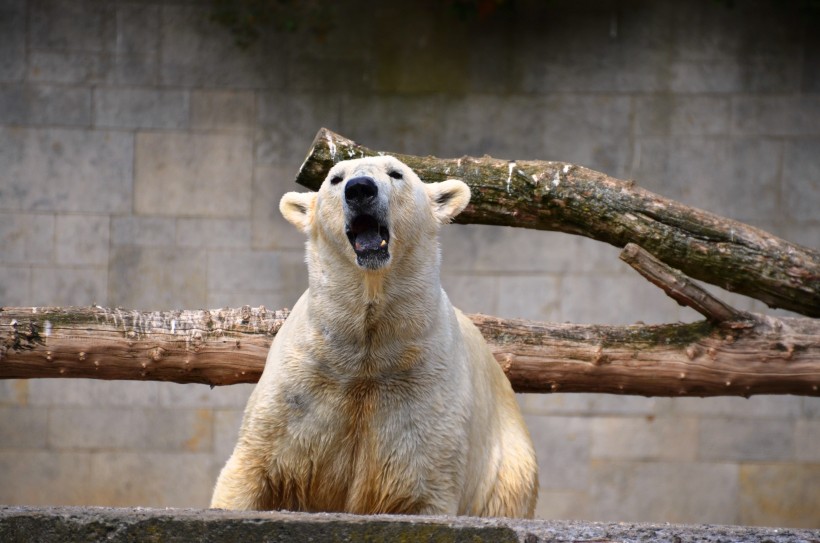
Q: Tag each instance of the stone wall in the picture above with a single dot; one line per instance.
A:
(142, 156)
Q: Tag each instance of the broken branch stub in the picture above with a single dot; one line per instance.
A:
(569, 198)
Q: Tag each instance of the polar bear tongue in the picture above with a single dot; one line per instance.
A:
(366, 234)
(369, 240)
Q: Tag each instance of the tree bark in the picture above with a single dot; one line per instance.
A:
(573, 199)
(755, 355)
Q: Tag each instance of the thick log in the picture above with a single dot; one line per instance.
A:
(569, 198)
(759, 355)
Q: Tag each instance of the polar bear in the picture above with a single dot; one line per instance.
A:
(378, 396)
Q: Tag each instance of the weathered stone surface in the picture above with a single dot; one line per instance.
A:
(214, 233)
(162, 430)
(644, 438)
(223, 110)
(45, 105)
(193, 174)
(140, 108)
(121, 525)
(135, 272)
(746, 440)
(780, 493)
(650, 491)
(143, 231)
(62, 285)
(562, 450)
(26, 238)
(65, 170)
(179, 479)
(23, 428)
(12, 40)
(82, 240)
(90, 392)
(801, 179)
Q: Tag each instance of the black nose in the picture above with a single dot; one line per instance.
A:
(360, 189)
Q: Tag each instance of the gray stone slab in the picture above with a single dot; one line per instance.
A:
(45, 105)
(400, 123)
(156, 278)
(26, 238)
(811, 407)
(15, 286)
(794, 115)
(269, 230)
(155, 479)
(129, 428)
(82, 239)
(472, 293)
(738, 178)
(650, 491)
(256, 270)
(756, 406)
(801, 180)
(562, 449)
(68, 286)
(90, 523)
(807, 440)
(43, 477)
(187, 34)
(91, 392)
(137, 29)
(675, 115)
(492, 249)
(530, 297)
(778, 493)
(193, 174)
(140, 108)
(644, 438)
(173, 395)
(143, 231)
(14, 392)
(226, 432)
(588, 130)
(23, 427)
(12, 40)
(65, 170)
(78, 25)
(68, 67)
(614, 299)
(223, 110)
(287, 124)
(132, 69)
(738, 439)
(214, 233)
(562, 505)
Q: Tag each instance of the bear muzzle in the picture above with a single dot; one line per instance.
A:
(366, 230)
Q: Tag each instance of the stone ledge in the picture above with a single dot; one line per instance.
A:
(64, 524)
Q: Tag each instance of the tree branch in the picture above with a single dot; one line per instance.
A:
(759, 355)
(677, 286)
(568, 198)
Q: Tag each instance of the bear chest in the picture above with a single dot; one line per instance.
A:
(352, 448)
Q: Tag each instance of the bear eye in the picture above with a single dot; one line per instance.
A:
(396, 174)
(336, 179)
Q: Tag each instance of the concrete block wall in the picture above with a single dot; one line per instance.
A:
(142, 157)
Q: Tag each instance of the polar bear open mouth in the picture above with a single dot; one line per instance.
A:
(370, 240)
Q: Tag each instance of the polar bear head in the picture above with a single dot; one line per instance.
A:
(374, 210)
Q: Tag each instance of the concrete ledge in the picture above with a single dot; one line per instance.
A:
(87, 524)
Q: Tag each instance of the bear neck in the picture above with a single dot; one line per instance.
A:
(397, 304)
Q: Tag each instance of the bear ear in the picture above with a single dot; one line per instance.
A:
(448, 199)
(297, 208)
